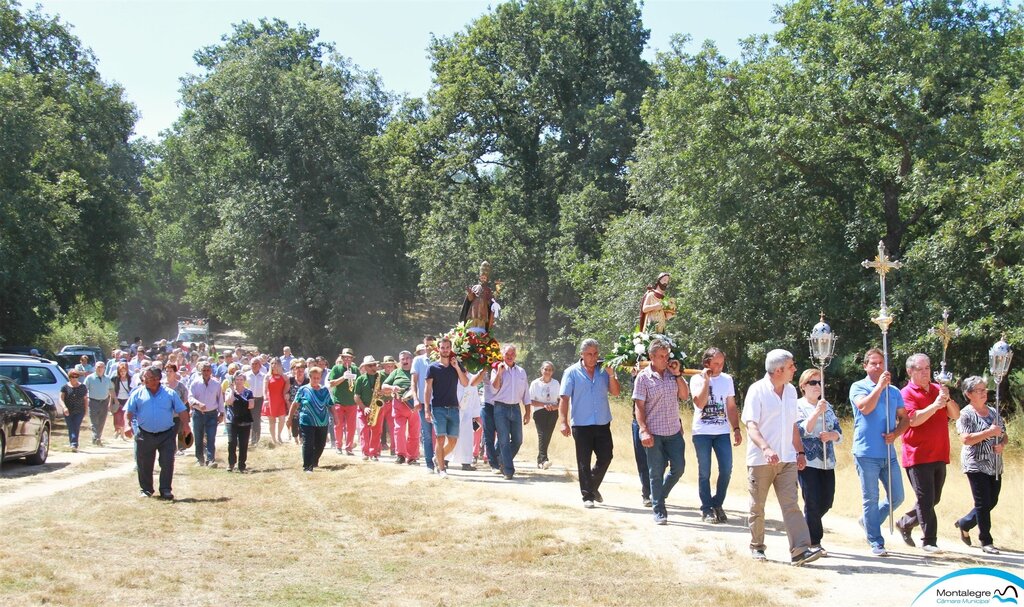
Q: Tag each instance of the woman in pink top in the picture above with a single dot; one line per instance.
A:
(275, 391)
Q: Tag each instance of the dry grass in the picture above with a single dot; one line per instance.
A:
(351, 533)
(1007, 518)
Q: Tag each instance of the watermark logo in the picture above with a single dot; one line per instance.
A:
(974, 586)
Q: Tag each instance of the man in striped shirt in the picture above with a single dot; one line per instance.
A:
(656, 394)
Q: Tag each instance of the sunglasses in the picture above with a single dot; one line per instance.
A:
(814, 382)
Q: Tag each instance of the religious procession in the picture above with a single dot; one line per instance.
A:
(459, 400)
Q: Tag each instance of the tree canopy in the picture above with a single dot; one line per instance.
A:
(69, 178)
(296, 199)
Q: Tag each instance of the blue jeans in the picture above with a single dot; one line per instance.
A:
(508, 422)
(670, 451)
(490, 450)
(703, 444)
(204, 429)
(74, 422)
(427, 438)
(640, 455)
(872, 471)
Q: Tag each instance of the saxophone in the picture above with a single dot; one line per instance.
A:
(376, 402)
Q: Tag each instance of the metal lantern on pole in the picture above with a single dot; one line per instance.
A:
(946, 335)
(999, 356)
(822, 344)
(883, 265)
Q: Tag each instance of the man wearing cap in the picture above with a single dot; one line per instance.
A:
(406, 422)
(369, 434)
(152, 410)
(341, 380)
(420, 366)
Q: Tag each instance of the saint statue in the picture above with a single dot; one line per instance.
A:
(479, 310)
(653, 315)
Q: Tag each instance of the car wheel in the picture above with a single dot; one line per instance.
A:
(39, 457)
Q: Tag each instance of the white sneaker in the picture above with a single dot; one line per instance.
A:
(931, 549)
(442, 473)
(547, 464)
(588, 503)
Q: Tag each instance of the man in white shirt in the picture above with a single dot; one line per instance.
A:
(774, 455)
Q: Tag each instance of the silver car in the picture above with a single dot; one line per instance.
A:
(34, 373)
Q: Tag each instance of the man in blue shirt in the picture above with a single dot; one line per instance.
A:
(876, 425)
(151, 412)
(584, 411)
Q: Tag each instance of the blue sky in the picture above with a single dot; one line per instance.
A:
(147, 45)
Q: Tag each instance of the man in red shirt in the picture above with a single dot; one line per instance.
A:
(925, 448)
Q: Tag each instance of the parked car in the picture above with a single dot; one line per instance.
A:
(73, 355)
(28, 351)
(34, 373)
(25, 425)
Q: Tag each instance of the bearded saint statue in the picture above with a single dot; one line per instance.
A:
(653, 315)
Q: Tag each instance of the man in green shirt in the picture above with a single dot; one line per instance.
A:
(369, 434)
(341, 381)
(406, 420)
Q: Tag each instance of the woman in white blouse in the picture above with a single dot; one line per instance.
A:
(544, 399)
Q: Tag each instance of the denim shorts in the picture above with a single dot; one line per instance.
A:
(446, 420)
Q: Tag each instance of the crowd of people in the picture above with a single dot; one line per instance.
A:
(424, 408)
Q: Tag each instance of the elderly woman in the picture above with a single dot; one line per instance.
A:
(275, 393)
(238, 402)
(72, 405)
(983, 434)
(544, 400)
(819, 431)
(313, 404)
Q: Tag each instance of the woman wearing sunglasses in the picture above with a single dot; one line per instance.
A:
(819, 429)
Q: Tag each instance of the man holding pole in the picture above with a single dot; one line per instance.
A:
(878, 418)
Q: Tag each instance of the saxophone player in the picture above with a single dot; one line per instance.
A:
(367, 391)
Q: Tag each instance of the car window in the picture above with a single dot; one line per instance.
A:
(40, 375)
(12, 372)
(17, 398)
(5, 399)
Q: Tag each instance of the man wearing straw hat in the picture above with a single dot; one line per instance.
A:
(406, 420)
(369, 434)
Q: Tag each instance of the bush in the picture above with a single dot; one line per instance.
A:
(85, 325)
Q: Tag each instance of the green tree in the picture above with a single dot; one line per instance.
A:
(858, 120)
(70, 179)
(533, 117)
(270, 198)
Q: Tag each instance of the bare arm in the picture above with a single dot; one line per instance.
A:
(700, 396)
(563, 414)
(942, 402)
